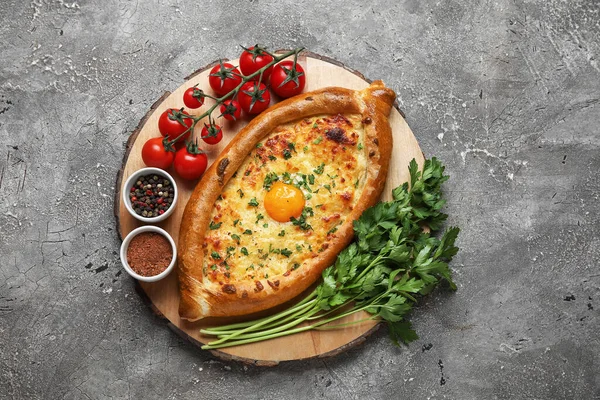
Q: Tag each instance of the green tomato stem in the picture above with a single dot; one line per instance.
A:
(233, 93)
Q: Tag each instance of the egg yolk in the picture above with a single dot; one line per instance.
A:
(284, 201)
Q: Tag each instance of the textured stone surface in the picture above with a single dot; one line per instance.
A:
(506, 93)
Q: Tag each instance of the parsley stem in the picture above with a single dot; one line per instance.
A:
(243, 335)
(334, 309)
(300, 311)
(258, 323)
(371, 264)
(212, 345)
(258, 338)
(337, 326)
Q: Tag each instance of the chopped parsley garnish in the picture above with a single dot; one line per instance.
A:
(241, 193)
(247, 232)
(305, 149)
(315, 125)
(235, 237)
(259, 145)
(356, 183)
(259, 217)
(272, 157)
(360, 146)
(319, 170)
(235, 222)
(269, 179)
(332, 176)
(332, 230)
(253, 202)
(328, 187)
(318, 140)
(285, 252)
(215, 255)
(301, 222)
(287, 154)
(295, 266)
(212, 226)
(265, 225)
(282, 233)
(298, 248)
(244, 251)
(292, 146)
(213, 267)
(311, 179)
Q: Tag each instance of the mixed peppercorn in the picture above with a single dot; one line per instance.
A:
(151, 195)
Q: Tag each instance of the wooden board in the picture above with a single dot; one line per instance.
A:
(164, 295)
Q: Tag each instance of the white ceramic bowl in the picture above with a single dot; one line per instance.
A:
(133, 178)
(125, 246)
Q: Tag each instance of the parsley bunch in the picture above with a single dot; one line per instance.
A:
(394, 259)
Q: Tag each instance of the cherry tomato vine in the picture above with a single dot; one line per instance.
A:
(235, 91)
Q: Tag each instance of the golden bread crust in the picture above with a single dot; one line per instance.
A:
(201, 297)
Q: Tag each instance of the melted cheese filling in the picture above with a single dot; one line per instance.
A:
(324, 157)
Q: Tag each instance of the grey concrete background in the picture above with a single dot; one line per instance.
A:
(506, 93)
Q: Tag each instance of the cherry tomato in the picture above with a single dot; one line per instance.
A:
(253, 59)
(254, 97)
(211, 134)
(231, 110)
(224, 78)
(190, 163)
(287, 81)
(193, 98)
(173, 123)
(156, 153)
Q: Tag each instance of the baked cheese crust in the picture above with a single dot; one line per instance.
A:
(324, 157)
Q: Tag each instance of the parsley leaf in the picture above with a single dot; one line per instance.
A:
(301, 221)
(319, 170)
(269, 179)
(285, 252)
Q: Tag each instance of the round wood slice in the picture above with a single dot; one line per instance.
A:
(164, 295)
